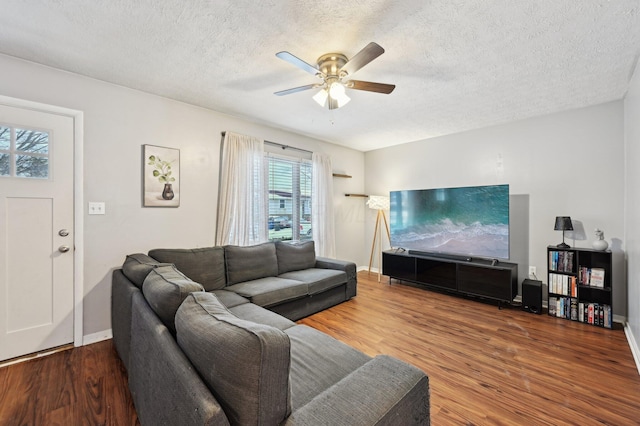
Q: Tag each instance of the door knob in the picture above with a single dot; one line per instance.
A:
(63, 249)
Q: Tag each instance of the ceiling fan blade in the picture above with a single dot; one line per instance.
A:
(362, 58)
(370, 86)
(297, 89)
(294, 60)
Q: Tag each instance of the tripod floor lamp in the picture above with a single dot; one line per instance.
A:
(380, 203)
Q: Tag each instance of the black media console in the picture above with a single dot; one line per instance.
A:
(485, 278)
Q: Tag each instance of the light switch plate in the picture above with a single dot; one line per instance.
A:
(96, 208)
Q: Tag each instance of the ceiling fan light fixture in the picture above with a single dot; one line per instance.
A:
(342, 100)
(321, 97)
(338, 93)
(336, 90)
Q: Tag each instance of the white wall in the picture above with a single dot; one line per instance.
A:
(569, 163)
(632, 210)
(117, 121)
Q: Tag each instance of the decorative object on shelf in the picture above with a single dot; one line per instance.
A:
(563, 223)
(380, 203)
(161, 176)
(600, 243)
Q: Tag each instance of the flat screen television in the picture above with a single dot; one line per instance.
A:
(468, 221)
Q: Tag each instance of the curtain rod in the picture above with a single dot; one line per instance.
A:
(281, 145)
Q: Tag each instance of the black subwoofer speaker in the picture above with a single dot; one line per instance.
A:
(532, 296)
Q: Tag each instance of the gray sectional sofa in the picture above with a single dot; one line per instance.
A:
(208, 337)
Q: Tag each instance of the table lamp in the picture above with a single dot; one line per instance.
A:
(563, 223)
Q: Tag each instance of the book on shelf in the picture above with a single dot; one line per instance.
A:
(581, 311)
(607, 316)
(552, 306)
(566, 285)
(597, 277)
(563, 307)
(574, 309)
(595, 314)
(593, 277)
(583, 275)
(561, 261)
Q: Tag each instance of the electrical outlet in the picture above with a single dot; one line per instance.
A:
(532, 270)
(96, 208)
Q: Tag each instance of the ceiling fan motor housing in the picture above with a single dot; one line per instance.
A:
(331, 63)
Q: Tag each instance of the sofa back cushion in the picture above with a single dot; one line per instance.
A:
(250, 262)
(165, 288)
(203, 265)
(244, 364)
(137, 266)
(295, 256)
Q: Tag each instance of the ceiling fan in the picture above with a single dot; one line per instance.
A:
(335, 70)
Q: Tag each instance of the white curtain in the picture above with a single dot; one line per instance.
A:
(242, 208)
(322, 219)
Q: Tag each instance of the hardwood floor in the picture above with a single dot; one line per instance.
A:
(80, 386)
(492, 367)
(486, 366)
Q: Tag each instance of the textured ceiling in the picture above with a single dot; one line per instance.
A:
(457, 65)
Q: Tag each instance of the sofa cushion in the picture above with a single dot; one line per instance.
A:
(319, 280)
(318, 361)
(230, 299)
(244, 364)
(255, 313)
(203, 265)
(250, 262)
(165, 288)
(270, 291)
(295, 256)
(137, 266)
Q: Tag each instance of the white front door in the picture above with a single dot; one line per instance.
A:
(36, 231)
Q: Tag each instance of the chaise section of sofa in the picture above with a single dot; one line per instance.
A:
(326, 382)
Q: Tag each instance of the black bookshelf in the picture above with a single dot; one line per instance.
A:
(484, 278)
(580, 285)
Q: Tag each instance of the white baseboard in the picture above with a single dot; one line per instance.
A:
(97, 337)
(633, 344)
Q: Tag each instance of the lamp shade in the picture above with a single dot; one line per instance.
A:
(321, 97)
(563, 223)
(378, 202)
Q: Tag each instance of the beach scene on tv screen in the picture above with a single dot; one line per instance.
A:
(471, 221)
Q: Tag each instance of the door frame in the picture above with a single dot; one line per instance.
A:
(78, 202)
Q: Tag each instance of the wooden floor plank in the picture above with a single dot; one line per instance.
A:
(486, 366)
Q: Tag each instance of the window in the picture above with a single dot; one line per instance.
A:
(289, 183)
(24, 153)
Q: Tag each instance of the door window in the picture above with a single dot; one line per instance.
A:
(24, 153)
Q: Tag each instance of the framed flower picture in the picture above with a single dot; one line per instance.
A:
(161, 176)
